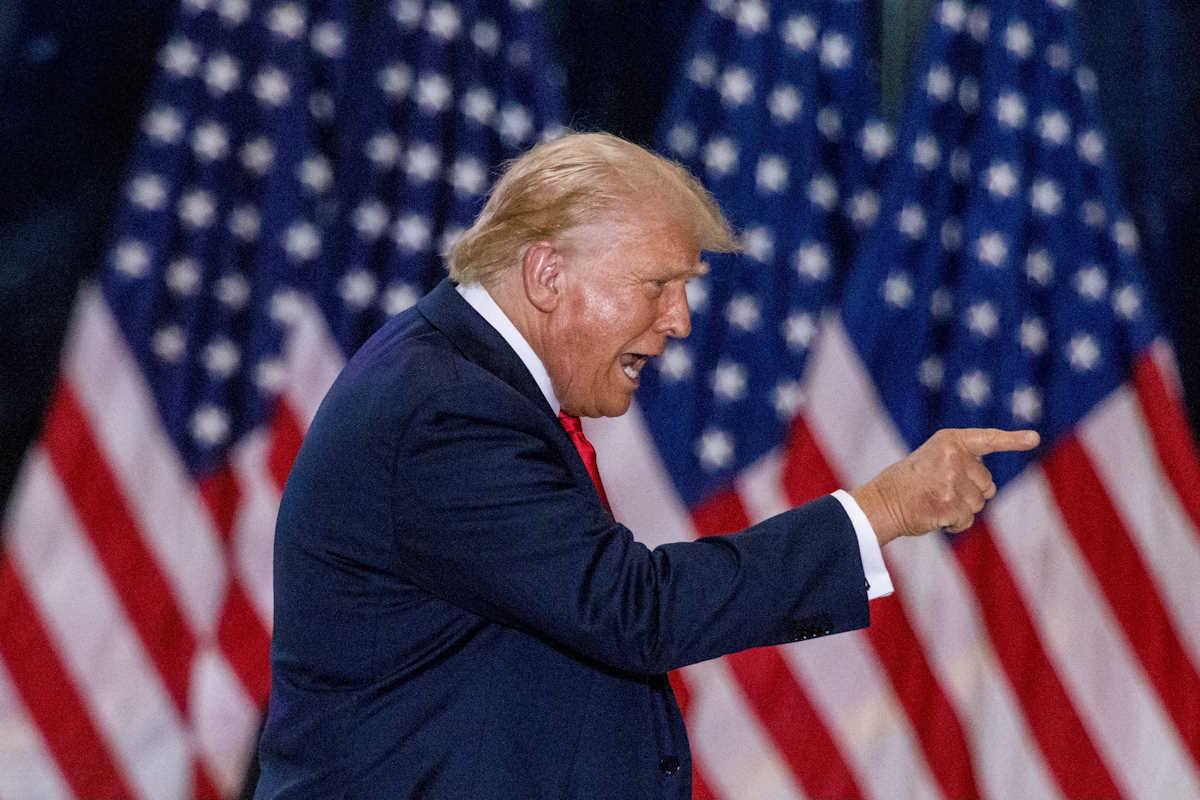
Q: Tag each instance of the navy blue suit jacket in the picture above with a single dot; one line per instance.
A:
(457, 615)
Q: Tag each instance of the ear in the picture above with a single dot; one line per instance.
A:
(540, 275)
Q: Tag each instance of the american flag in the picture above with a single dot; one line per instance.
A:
(297, 171)
(980, 271)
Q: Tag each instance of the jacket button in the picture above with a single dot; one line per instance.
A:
(669, 765)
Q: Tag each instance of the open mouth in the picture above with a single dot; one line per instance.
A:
(632, 363)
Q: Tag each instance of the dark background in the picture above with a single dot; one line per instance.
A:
(73, 79)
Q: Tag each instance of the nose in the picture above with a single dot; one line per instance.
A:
(674, 319)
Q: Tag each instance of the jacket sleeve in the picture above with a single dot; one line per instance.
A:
(487, 516)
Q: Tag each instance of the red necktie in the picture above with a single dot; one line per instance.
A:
(588, 453)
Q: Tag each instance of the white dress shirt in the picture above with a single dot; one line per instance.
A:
(879, 582)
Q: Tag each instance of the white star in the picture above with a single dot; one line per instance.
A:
(433, 93)
(729, 381)
(751, 17)
(468, 176)
(422, 162)
(257, 155)
(1018, 40)
(443, 21)
(784, 103)
(406, 12)
(1092, 213)
(829, 123)
(232, 290)
(234, 12)
(516, 124)
(286, 20)
(697, 295)
(168, 343)
(702, 69)
(301, 241)
(1032, 335)
(968, 94)
(395, 80)
(210, 141)
(742, 312)
(1083, 352)
(1127, 302)
(978, 24)
(835, 51)
(1046, 197)
(131, 257)
(163, 124)
(911, 221)
(221, 358)
(952, 235)
(1086, 80)
(183, 276)
(286, 306)
(197, 208)
(383, 149)
(771, 174)
(951, 14)
(758, 243)
(822, 191)
(720, 156)
(715, 449)
(787, 398)
(1026, 404)
(1001, 179)
(812, 261)
(272, 87)
(799, 329)
(450, 236)
(992, 249)
(369, 219)
(1091, 283)
(736, 86)
(329, 39)
(1058, 56)
(1090, 146)
(983, 319)
(315, 173)
(478, 104)
(939, 83)
(148, 191)
(1125, 234)
(270, 376)
(357, 288)
(486, 36)
(1053, 127)
(209, 426)
(864, 208)
(931, 372)
(519, 54)
(960, 164)
(197, 6)
(682, 140)
(799, 32)
(411, 232)
(926, 153)
(180, 57)
(898, 289)
(1039, 267)
(941, 303)
(222, 73)
(399, 297)
(321, 106)
(974, 388)
(876, 140)
(676, 363)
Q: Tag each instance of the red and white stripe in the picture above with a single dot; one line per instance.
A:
(1001, 662)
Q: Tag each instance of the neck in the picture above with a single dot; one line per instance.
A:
(508, 293)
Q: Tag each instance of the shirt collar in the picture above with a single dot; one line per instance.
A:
(478, 298)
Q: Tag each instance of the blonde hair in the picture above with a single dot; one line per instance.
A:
(562, 184)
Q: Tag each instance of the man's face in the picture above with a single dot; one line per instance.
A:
(622, 296)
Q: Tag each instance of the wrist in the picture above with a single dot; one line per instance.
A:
(871, 501)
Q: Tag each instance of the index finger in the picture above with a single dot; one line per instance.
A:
(981, 441)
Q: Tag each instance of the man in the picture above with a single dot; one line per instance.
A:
(458, 615)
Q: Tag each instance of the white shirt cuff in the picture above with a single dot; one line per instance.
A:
(879, 582)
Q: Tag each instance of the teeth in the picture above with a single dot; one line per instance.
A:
(631, 371)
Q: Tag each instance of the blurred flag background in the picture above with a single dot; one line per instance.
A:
(963, 236)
